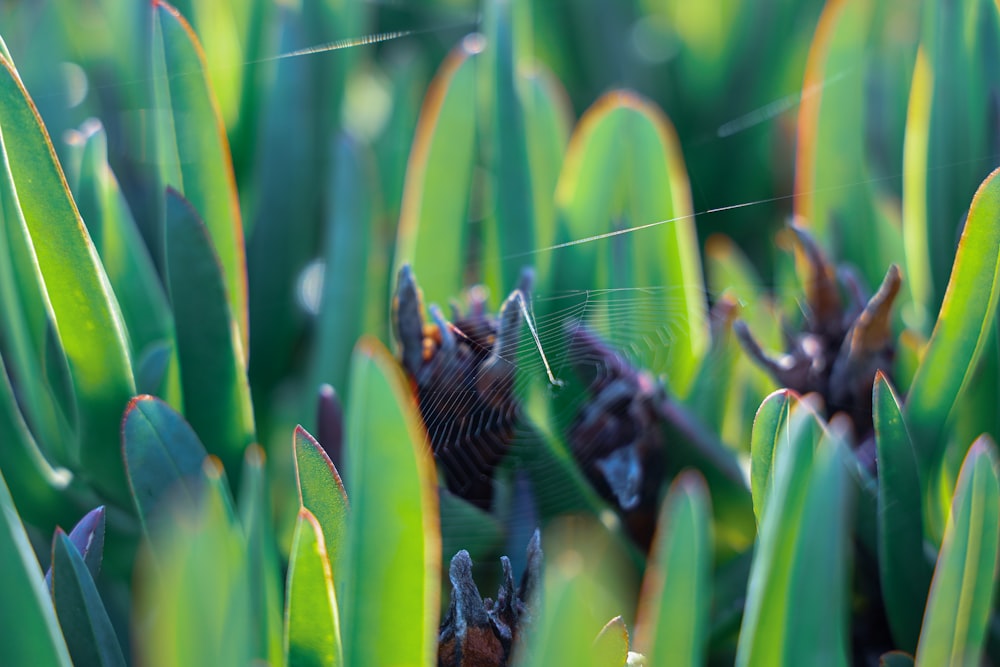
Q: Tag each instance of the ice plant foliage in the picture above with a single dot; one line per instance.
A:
(164, 327)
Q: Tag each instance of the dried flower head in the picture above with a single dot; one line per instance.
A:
(479, 632)
(463, 374)
(840, 346)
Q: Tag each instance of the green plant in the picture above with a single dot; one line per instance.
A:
(156, 359)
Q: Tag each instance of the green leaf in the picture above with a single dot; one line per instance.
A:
(465, 526)
(213, 365)
(624, 170)
(895, 659)
(193, 582)
(123, 252)
(676, 591)
(817, 625)
(347, 262)
(25, 603)
(193, 151)
(611, 644)
(84, 620)
(262, 560)
(950, 120)
(312, 627)
(967, 313)
(163, 456)
(959, 603)
(86, 312)
(38, 486)
(432, 221)
(833, 184)
(584, 579)
(393, 539)
(515, 215)
(769, 423)
(322, 493)
(800, 554)
(904, 573)
(548, 120)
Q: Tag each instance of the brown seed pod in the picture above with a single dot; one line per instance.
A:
(463, 375)
(479, 632)
(840, 347)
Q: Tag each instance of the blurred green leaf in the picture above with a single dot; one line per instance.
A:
(611, 644)
(37, 485)
(85, 309)
(432, 235)
(266, 604)
(904, 572)
(312, 625)
(347, 256)
(967, 313)
(584, 581)
(322, 493)
(511, 168)
(798, 579)
(25, 603)
(163, 456)
(395, 567)
(193, 599)
(193, 151)
(895, 659)
(954, 128)
(213, 365)
(959, 603)
(84, 620)
(465, 526)
(123, 253)
(676, 591)
(627, 138)
(833, 184)
(769, 424)
(548, 120)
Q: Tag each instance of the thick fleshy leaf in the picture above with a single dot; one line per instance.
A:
(193, 582)
(38, 487)
(548, 120)
(262, 559)
(967, 313)
(801, 552)
(322, 493)
(832, 154)
(395, 569)
(85, 310)
(116, 237)
(904, 572)
(584, 579)
(163, 455)
(611, 644)
(676, 592)
(960, 600)
(296, 106)
(433, 235)
(212, 359)
(193, 151)
(347, 288)
(512, 185)
(625, 203)
(769, 423)
(949, 121)
(25, 603)
(312, 626)
(85, 624)
(88, 538)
